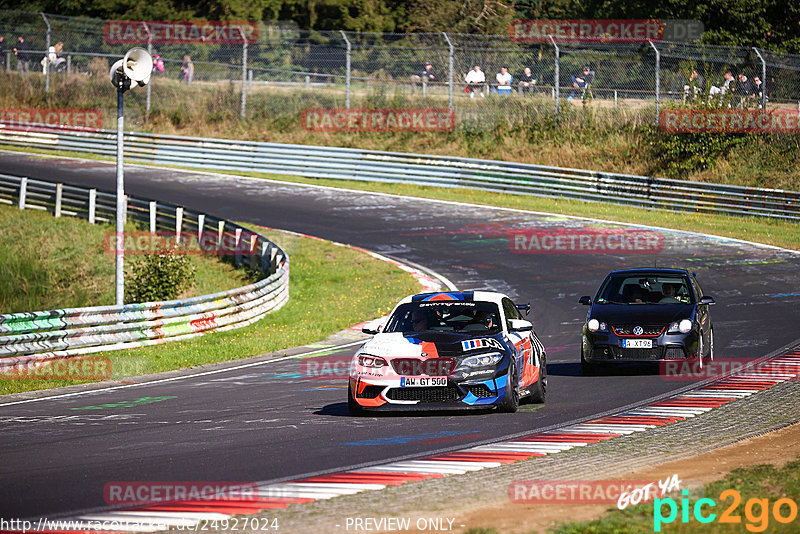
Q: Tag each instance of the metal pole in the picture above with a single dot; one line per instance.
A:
(243, 111)
(556, 75)
(149, 51)
(120, 271)
(763, 78)
(347, 67)
(450, 78)
(47, 57)
(658, 77)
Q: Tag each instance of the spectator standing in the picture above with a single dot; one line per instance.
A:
(758, 90)
(187, 70)
(526, 80)
(158, 64)
(3, 50)
(504, 80)
(476, 80)
(743, 90)
(581, 81)
(21, 51)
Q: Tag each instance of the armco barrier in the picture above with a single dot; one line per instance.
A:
(68, 332)
(419, 169)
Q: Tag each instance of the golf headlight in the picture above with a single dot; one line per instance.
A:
(375, 362)
(481, 360)
(684, 327)
(596, 326)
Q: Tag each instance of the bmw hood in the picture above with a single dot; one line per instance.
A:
(432, 344)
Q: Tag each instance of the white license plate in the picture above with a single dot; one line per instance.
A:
(423, 381)
(637, 343)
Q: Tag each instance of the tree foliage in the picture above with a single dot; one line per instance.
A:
(773, 24)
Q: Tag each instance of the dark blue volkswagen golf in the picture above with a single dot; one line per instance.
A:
(647, 316)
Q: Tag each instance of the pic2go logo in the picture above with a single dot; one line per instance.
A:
(756, 511)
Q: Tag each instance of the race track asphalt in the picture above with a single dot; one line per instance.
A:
(268, 423)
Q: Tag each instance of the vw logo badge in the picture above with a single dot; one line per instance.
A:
(638, 330)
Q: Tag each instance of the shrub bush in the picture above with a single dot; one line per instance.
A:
(158, 277)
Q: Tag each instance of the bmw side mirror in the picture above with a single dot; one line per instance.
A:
(520, 325)
(585, 300)
(370, 331)
(707, 300)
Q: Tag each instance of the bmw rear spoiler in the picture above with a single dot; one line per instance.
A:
(524, 307)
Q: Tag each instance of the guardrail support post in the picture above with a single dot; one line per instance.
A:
(763, 79)
(243, 111)
(23, 192)
(46, 56)
(201, 221)
(59, 193)
(238, 244)
(178, 223)
(347, 67)
(658, 78)
(556, 76)
(220, 230)
(450, 69)
(153, 212)
(252, 251)
(615, 99)
(92, 205)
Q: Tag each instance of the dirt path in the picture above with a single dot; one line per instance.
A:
(775, 448)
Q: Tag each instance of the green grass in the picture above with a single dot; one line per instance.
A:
(48, 263)
(755, 482)
(332, 287)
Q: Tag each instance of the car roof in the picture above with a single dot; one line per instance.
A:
(662, 270)
(470, 296)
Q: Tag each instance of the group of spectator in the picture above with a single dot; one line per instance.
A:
(741, 89)
(504, 81)
(27, 59)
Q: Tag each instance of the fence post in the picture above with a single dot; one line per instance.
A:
(615, 99)
(46, 56)
(450, 77)
(763, 78)
(178, 223)
(658, 78)
(243, 111)
(556, 75)
(347, 67)
(308, 82)
(92, 205)
(59, 194)
(69, 65)
(153, 212)
(8, 60)
(23, 191)
(149, 51)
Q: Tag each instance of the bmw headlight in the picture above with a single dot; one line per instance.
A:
(481, 360)
(596, 326)
(684, 327)
(374, 362)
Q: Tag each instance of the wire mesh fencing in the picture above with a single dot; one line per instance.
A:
(485, 80)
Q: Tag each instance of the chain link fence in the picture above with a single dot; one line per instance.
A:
(286, 71)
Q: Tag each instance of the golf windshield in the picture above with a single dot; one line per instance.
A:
(446, 316)
(646, 289)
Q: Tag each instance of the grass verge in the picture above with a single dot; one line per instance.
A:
(759, 489)
(48, 263)
(332, 287)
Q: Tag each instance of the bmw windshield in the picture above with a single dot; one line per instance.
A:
(446, 316)
(639, 288)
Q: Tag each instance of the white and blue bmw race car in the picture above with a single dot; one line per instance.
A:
(454, 350)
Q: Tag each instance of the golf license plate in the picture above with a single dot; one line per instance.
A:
(423, 381)
(637, 343)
